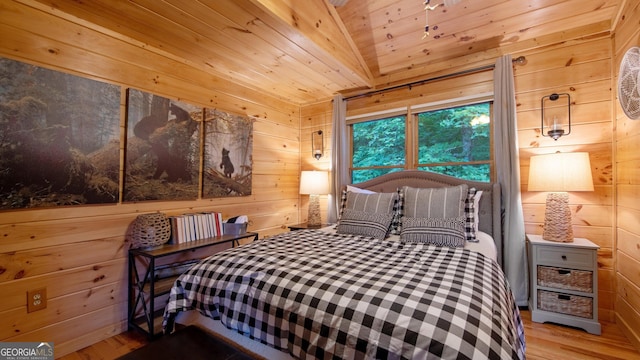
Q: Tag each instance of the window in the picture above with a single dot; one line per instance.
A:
(378, 147)
(455, 141)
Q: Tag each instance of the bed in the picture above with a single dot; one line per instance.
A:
(352, 291)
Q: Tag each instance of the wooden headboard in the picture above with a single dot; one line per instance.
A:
(489, 212)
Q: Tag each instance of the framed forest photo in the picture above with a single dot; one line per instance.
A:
(162, 156)
(59, 138)
(228, 146)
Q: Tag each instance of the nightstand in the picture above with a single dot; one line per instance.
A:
(564, 282)
(303, 226)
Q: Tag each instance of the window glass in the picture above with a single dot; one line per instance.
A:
(358, 176)
(467, 172)
(378, 147)
(456, 141)
(453, 141)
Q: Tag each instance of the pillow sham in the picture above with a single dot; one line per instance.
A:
(343, 198)
(434, 231)
(364, 223)
(471, 214)
(373, 203)
(396, 224)
(445, 202)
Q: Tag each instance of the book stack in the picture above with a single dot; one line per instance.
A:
(196, 226)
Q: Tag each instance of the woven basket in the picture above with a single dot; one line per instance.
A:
(569, 279)
(565, 304)
(150, 230)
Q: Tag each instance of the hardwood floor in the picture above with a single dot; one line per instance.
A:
(111, 348)
(557, 342)
(544, 342)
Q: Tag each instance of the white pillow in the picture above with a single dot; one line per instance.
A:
(358, 190)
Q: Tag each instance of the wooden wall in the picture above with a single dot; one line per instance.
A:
(314, 117)
(582, 68)
(79, 253)
(627, 180)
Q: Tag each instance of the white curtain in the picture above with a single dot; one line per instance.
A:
(508, 171)
(339, 156)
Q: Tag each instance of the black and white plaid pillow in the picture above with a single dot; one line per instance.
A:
(396, 223)
(364, 223)
(343, 203)
(469, 216)
(434, 231)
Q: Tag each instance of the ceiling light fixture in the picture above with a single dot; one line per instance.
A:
(338, 2)
(428, 7)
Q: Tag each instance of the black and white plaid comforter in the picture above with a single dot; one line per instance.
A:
(329, 296)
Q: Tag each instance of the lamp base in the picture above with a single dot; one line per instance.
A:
(557, 218)
(314, 218)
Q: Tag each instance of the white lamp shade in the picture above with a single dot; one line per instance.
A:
(314, 182)
(560, 172)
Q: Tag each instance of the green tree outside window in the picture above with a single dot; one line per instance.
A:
(378, 148)
(453, 141)
(456, 142)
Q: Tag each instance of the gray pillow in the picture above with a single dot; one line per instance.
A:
(434, 231)
(445, 202)
(372, 203)
(364, 223)
(356, 200)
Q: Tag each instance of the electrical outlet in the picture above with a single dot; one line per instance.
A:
(36, 300)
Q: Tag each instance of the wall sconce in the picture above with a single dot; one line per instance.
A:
(558, 173)
(555, 116)
(317, 144)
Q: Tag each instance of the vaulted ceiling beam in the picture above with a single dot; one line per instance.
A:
(316, 28)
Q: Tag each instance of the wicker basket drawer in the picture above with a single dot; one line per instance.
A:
(567, 279)
(565, 304)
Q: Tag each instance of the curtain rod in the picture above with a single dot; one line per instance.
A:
(518, 60)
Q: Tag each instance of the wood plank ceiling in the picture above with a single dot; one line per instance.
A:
(308, 50)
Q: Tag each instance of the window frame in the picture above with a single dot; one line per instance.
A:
(410, 114)
(381, 115)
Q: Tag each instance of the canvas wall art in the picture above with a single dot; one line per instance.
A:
(59, 138)
(228, 146)
(162, 156)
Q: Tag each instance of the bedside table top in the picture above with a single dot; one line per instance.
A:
(577, 242)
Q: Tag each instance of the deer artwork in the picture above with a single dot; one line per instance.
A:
(226, 163)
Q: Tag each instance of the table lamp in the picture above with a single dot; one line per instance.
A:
(314, 183)
(559, 173)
